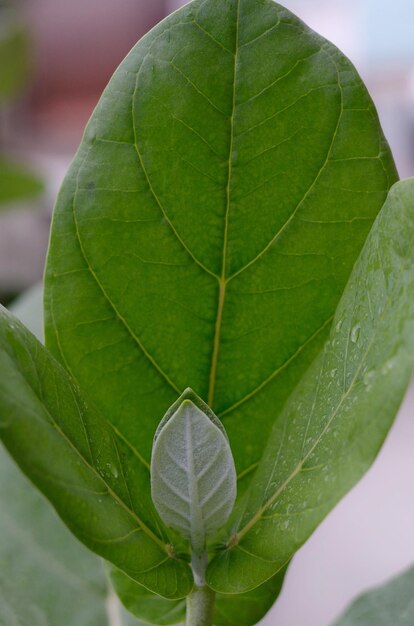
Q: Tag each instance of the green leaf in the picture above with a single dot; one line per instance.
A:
(391, 604)
(14, 54)
(230, 610)
(147, 606)
(335, 422)
(16, 183)
(206, 230)
(93, 480)
(39, 590)
(42, 567)
(193, 478)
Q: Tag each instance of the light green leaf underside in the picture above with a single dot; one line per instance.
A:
(93, 481)
(43, 568)
(230, 610)
(16, 183)
(206, 230)
(193, 478)
(390, 604)
(336, 420)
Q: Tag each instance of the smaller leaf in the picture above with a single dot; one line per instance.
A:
(193, 477)
(391, 604)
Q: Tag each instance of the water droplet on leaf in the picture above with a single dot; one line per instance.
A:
(355, 333)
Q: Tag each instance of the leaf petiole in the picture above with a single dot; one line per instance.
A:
(200, 606)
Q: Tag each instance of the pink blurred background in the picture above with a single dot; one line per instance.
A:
(75, 47)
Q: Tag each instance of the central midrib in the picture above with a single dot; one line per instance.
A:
(222, 279)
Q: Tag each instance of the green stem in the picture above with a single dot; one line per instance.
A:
(200, 606)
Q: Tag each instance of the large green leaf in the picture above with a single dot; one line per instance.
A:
(80, 463)
(244, 609)
(207, 227)
(335, 422)
(389, 605)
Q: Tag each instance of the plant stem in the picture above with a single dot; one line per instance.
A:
(200, 606)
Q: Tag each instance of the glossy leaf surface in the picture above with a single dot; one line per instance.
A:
(193, 478)
(336, 420)
(391, 604)
(230, 610)
(205, 232)
(92, 481)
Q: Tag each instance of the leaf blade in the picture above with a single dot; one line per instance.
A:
(193, 478)
(179, 148)
(43, 416)
(322, 445)
(392, 602)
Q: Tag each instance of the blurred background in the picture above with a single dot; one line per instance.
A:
(55, 59)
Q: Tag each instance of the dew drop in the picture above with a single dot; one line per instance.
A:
(389, 365)
(339, 326)
(368, 378)
(355, 333)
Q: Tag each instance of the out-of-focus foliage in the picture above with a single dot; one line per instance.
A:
(391, 604)
(14, 57)
(16, 183)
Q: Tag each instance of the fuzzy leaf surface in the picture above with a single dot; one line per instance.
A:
(336, 420)
(193, 478)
